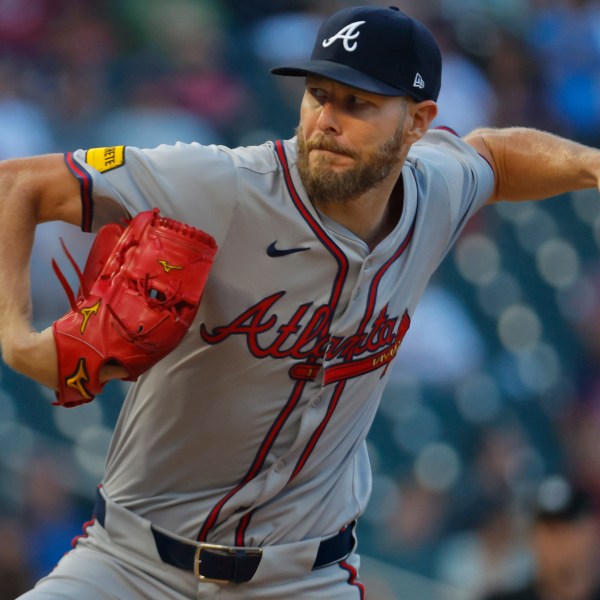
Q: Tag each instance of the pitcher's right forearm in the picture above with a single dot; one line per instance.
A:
(32, 191)
(17, 228)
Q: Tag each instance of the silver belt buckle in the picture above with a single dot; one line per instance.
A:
(218, 548)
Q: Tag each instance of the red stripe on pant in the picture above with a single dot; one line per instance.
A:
(353, 578)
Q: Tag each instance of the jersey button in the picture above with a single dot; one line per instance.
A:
(315, 402)
(357, 293)
(279, 465)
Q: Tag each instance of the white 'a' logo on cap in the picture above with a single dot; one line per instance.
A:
(348, 34)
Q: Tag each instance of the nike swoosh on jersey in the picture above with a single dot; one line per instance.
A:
(276, 252)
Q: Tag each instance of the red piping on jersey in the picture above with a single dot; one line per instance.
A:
(353, 578)
(258, 461)
(84, 533)
(318, 432)
(85, 190)
(382, 271)
(338, 254)
(448, 129)
(240, 530)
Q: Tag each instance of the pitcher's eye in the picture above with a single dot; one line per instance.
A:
(356, 101)
(318, 94)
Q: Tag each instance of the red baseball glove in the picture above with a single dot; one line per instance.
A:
(139, 293)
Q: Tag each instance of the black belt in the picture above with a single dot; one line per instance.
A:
(212, 562)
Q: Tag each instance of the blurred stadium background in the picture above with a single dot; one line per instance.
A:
(497, 385)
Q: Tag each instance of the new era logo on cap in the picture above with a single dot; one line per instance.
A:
(380, 50)
(418, 82)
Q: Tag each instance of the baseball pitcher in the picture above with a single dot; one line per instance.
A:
(257, 296)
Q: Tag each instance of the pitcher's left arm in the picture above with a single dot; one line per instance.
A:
(530, 164)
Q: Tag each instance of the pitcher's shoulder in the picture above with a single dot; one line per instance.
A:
(263, 158)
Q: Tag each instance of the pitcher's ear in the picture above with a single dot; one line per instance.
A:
(422, 115)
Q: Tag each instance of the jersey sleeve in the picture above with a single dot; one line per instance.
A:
(192, 183)
(467, 177)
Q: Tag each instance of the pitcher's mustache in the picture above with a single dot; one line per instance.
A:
(326, 143)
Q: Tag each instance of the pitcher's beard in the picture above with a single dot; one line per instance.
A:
(325, 185)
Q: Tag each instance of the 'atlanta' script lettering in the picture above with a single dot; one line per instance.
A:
(305, 337)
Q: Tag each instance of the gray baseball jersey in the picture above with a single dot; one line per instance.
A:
(252, 431)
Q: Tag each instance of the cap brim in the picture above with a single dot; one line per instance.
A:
(342, 74)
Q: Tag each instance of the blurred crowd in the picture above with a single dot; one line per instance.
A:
(496, 389)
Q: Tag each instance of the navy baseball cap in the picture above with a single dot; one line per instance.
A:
(380, 50)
